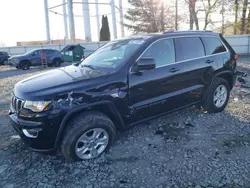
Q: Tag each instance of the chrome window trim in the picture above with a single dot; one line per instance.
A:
(219, 41)
(177, 62)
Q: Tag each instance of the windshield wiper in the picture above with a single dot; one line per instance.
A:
(89, 66)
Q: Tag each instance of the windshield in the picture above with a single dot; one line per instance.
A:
(113, 54)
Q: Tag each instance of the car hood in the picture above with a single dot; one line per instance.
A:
(49, 84)
(15, 56)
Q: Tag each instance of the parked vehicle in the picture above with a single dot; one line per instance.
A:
(73, 53)
(4, 56)
(80, 107)
(33, 58)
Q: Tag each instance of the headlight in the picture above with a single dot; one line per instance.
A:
(37, 106)
(14, 59)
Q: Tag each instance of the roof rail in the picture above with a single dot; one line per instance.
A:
(187, 31)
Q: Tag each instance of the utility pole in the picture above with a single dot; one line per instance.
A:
(97, 18)
(87, 27)
(112, 4)
(71, 21)
(223, 17)
(46, 10)
(121, 18)
(65, 18)
(176, 15)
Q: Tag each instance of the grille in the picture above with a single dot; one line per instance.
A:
(17, 104)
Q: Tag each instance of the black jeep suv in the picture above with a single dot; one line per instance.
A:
(79, 108)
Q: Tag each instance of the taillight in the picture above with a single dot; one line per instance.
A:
(236, 57)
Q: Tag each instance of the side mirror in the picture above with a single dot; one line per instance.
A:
(145, 64)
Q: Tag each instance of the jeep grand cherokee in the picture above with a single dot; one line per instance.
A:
(79, 108)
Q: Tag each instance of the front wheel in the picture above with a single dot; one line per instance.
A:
(5, 62)
(217, 96)
(87, 136)
(25, 65)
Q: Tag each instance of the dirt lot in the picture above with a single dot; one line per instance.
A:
(189, 148)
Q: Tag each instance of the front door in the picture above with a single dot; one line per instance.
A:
(35, 58)
(148, 90)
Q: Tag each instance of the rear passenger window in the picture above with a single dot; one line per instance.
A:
(162, 51)
(47, 51)
(214, 45)
(189, 48)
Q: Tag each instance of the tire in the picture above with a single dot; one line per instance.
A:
(80, 127)
(5, 62)
(216, 89)
(25, 65)
(57, 62)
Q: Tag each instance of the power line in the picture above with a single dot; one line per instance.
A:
(58, 13)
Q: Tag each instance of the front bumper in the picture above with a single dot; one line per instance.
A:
(13, 63)
(46, 128)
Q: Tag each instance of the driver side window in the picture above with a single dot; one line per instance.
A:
(162, 51)
(36, 52)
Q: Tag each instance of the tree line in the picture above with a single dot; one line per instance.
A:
(149, 16)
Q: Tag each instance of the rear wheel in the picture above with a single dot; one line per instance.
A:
(25, 65)
(217, 96)
(87, 136)
(57, 62)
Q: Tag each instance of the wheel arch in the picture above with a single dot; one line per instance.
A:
(25, 60)
(105, 107)
(56, 58)
(228, 76)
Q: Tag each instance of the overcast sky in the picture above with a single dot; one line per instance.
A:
(24, 20)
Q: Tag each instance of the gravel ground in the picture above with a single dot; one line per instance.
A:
(189, 148)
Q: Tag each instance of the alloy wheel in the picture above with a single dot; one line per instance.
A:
(92, 143)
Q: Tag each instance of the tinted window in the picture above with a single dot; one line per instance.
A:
(189, 48)
(47, 51)
(214, 45)
(36, 52)
(162, 51)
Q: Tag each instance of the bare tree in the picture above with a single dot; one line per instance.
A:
(209, 6)
(243, 19)
(236, 10)
(248, 22)
(193, 19)
(149, 16)
(162, 17)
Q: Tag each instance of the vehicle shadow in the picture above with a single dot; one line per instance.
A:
(209, 137)
(15, 72)
(6, 72)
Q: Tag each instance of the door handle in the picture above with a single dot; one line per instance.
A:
(174, 70)
(209, 61)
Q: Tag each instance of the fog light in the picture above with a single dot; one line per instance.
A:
(31, 133)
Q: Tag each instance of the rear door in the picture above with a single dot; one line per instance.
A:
(196, 69)
(49, 55)
(216, 49)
